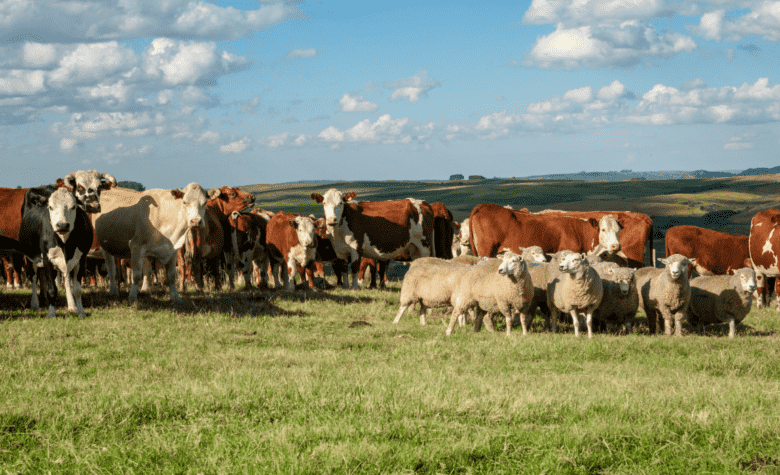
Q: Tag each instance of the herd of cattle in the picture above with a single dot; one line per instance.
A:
(598, 258)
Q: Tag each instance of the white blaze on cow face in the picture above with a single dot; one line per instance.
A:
(609, 230)
(194, 205)
(512, 264)
(62, 212)
(305, 229)
(747, 278)
(333, 205)
(86, 187)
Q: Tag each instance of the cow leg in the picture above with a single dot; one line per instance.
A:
(758, 294)
(111, 267)
(34, 303)
(137, 261)
(230, 269)
(383, 265)
(354, 266)
(170, 278)
(292, 271)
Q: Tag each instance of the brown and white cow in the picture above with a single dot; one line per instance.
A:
(291, 241)
(382, 230)
(461, 242)
(716, 253)
(248, 235)
(635, 235)
(495, 227)
(202, 250)
(152, 223)
(223, 204)
(764, 244)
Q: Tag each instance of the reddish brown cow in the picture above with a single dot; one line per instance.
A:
(202, 250)
(230, 199)
(325, 254)
(635, 235)
(764, 244)
(380, 230)
(291, 241)
(716, 253)
(493, 228)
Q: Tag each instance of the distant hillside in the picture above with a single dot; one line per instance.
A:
(632, 175)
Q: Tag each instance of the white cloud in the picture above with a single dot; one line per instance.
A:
(235, 147)
(412, 88)
(209, 137)
(285, 139)
(350, 103)
(500, 98)
(301, 53)
(67, 144)
(385, 130)
(177, 62)
(738, 145)
(761, 19)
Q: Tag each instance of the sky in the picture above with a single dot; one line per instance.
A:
(168, 92)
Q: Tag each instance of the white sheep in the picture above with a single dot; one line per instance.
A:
(576, 290)
(621, 298)
(665, 292)
(431, 285)
(494, 285)
(540, 273)
(533, 254)
(722, 298)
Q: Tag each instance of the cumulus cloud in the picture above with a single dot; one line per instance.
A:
(412, 88)
(762, 19)
(350, 103)
(301, 53)
(285, 139)
(385, 130)
(235, 147)
(74, 21)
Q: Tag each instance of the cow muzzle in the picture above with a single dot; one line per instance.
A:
(197, 223)
(331, 222)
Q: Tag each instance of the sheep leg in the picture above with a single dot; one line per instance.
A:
(488, 319)
(732, 327)
(461, 320)
(478, 316)
(400, 313)
(651, 320)
(554, 318)
(525, 321)
(423, 312)
(456, 312)
(678, 318)
(589, 323)
(576, 320)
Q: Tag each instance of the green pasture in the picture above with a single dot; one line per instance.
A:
(324, 383)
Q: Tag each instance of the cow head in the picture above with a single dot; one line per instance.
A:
(677, 265)
(609, 228)
(512, 264)
(193, 209)
(333, 203)
(62, 212)
(306, 230)
(86, 187)
(747, 279)
(229, 199)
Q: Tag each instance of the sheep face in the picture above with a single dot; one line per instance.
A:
(676, 265)
(747, 279)
(571, 263)
(533, 254)
(512, 265)
(624, 278)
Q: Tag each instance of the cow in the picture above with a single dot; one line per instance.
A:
(223, 204)
(12, 262)
(493, 228)
(290, 241)
(152, 223)
(461, 242)
(87, 186)
(203, 250)
(381, 230)
(55, 234)
(716, 253)
(764, 245)
(444, 229)
(635, 235)
(248, 236)
(325, 254)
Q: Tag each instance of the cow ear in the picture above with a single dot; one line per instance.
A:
(294, 223)
(177, 193)
(775, 219)
(317, 197)
(524, 210)
(60, 183)
(731, 272)
(593, 222)
(38, 200)
(235, 215)
(214, 193)
(349, 196)
(455, 226)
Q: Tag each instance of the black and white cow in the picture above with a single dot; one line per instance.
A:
(55, 235)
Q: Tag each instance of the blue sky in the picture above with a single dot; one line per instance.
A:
(246, 92)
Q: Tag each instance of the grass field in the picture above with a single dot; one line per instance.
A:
(278, 382)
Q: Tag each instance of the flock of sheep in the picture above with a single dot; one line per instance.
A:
(579, 285)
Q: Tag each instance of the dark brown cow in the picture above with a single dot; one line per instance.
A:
(203, 250)
(635, 235)
(716, 253)
(764, 244)
(493, 228)
(249, 232)
(381, 230)
(291, 241)
(230, 199)
(444, 230)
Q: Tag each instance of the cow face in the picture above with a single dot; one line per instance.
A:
(333, 203)
(677, 265)
(609, 229)
(511, 264)
(86, 187)
(231, 199)
(747, 279)
(624, 277)
(193, 208)
(306, 231)
(62, 212)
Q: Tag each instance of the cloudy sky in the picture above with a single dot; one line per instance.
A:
(245, 92)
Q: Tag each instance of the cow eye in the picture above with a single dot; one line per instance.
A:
(81, 188)
(233, 195)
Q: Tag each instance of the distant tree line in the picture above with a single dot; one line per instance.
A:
(133, 185)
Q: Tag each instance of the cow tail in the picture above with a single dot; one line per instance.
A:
(650, 245)
(473, 239)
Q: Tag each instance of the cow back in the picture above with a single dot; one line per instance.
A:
(11, 204)
(764, 242)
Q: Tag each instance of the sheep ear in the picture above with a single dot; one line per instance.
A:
(662, 260)
(692, 261)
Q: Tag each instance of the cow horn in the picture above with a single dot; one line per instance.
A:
(68, 179)
(109, 178)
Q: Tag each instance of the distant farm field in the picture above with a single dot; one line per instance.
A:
(325, 383)
(279, 382)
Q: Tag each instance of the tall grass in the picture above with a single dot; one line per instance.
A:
(278, 382)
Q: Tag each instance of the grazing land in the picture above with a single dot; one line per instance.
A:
(323, 382)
